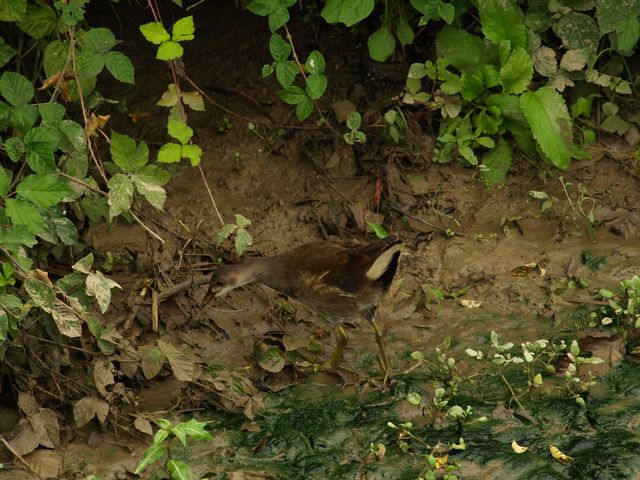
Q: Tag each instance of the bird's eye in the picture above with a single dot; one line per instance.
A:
(220, 283)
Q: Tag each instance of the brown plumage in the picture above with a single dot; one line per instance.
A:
(337, 280)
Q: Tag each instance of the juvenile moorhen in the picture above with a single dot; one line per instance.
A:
(337, 280)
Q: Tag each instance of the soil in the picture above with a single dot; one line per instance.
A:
(305, 185)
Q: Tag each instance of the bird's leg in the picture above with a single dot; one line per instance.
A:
(382, 355)
(341, 345)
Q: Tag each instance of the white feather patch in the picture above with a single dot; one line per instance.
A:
(382, 262)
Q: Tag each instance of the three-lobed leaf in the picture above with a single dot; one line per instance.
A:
(128, 155)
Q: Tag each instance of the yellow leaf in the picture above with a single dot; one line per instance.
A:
(518, 448)
(558, 455)
(442, 462)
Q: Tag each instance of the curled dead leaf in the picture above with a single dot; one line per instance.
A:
(558, 455)
(523, 270)
(95, 122)
(470, 303)
(518, 448)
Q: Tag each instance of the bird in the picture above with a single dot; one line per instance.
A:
(337, 280)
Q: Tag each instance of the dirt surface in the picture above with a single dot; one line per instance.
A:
(305, 186)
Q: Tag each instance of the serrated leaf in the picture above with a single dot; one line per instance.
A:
(17, 235)
(15, 88)
(43, 190)
(6, 52)
(243, 240)
(90, 63)
(193, 153)
(272, 360)
(99, 287)
(52, 113)
(224, 233)
(193, 100)
(154, 193)
(170, 153)
(154, 32)
(574, 60)
(462, 50)
(120, 67)
(73, 136)
(550, 124)
(503, 20)
(12, 10)
(169, 98)
(497, 163)
(517, 71)
(120, 195)
(5, 181)
(169, 51)
(183, 29)
(126, 154)
(381, 44)
(39, 21)
(24, 213)
(180, 131)
(578, 30)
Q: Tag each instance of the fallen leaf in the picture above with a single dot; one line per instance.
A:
(558, 455)
(470, 303)
(523, 270)
(96, 122)
(518, 448)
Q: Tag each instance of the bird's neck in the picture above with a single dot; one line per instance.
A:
(258, 269)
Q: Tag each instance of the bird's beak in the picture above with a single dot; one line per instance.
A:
(211, 294)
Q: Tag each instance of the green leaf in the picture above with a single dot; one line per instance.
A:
(183, 29)
(90, 63)
(99, 287)
(66, 230)
(272, 360)
(71, 12)
(73, 136)
(179, 469)
(25, 213)
(354, 120)
(6, 52)
(503, 20)
(51, 112)
(224, 233)
(496, 163)
(40, 143)
(517, 71)
(5, 181)
(381, 44)
(613, 15)
(279, 48)
(278, 18)
(578, 30)
(193, 153)
(15, 88)
(316, 85)
(153, 174)
(550, 124)
(292, 95)
(315, 62)
(170, 153)
(286, 73)
(99, 40)
(120, 195)
(195, 429)
(17, 235)
(461, 49)
(12, 10)
(43, 190)
(126, 154)
(41, 294)
(39, 21)
(55, 56)
(24, 117)
(96, 208)
(404, 32)
(84, 264)
(304, 108)
(263, 7)
(180, 131)
(154, 32)
(120, 67)
(169, 51)
(154, 193)
(472, 85)
(15, 148)
(379, 231)
(151, 455)
(348, 12)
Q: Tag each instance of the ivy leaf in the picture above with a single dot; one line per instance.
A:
(66, 319)
(180, 131)
(154, 32)
(242, 221)
(15, 88)
(170, 153)
(183, 29)
(41, 294)
(381, 44)
(120, 67)
(120, 195)
(550, 124)
(99, 287)
(348, 12)
(224, 233)
(169, 51)
(243, 240)
(25, 213)
(84, 264)
(126, 154)
(517, 71)
(43, 190)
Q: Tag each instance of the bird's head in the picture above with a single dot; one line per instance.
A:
(222, 281)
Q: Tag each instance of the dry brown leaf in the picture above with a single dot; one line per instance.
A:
(88, 407)
(28, 404)
(182, 366)
(152, 361)
(26, 440)
(143, 425)
(95, 122)
(47, 463)
(103, 375)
